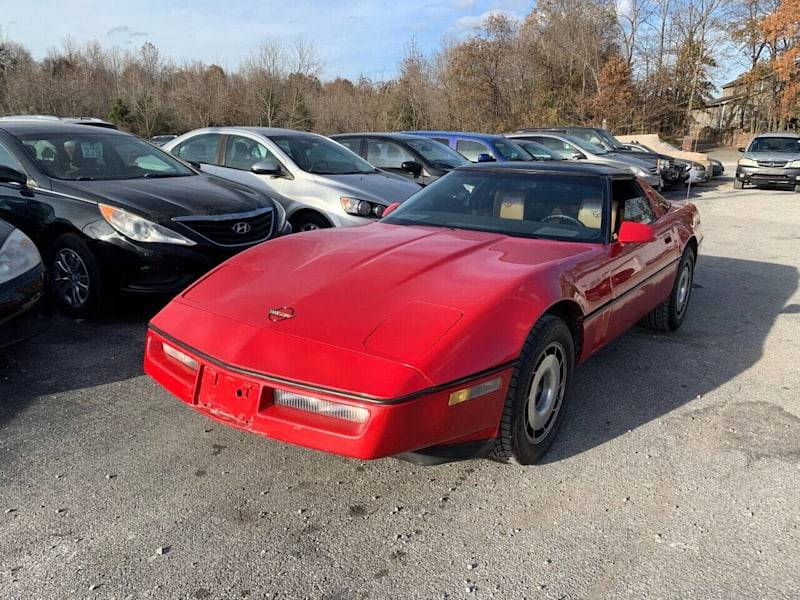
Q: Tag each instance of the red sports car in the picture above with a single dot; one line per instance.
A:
(450, 328)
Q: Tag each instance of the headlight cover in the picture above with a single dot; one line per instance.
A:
(362, 208)
(140, 229)
(18, 255)
(795, 164)
(747, 162)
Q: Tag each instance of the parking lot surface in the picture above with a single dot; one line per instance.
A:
(675, 475)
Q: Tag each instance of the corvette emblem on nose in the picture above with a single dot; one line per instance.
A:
(241, 228)
(281, 314)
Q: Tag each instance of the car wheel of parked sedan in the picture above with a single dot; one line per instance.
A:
(669, 315)
(74, 276)
(537, 395)
(738, 185)
(309, 222)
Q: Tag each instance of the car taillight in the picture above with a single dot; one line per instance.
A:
(320, 406)
(181, 357)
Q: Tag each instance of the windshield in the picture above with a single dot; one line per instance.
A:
(775, 144)
(511, 151)
(97, 156)
(538, 151)
(437, 153)
(543, 205)
(610, 139)
(585, 146)
(322, 156)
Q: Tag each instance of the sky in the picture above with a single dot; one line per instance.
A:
(352, 37)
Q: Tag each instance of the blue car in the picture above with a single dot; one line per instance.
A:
(478, 147)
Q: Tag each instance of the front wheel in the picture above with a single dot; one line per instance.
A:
(669, 315)
(309, 222)
(75, 277)
(535, 404)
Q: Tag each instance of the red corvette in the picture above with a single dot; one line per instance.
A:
(450, 328)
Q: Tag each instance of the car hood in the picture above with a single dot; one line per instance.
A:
(387, 290)
(630, 159)
(773, 156)
(165, 198)
(381, 187)
(649, 157)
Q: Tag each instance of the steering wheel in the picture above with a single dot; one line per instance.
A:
(565, 218)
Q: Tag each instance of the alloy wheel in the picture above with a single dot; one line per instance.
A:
(546, 393)
(684, 288)
(71, 278)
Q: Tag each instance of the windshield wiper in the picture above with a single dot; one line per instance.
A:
(84, 178)
(157, 175)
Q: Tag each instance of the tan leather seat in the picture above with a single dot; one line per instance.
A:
(509, 204)
(591, 213)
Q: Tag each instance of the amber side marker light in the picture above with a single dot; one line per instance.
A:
(178, 356)
(319, 406)
(476, 391)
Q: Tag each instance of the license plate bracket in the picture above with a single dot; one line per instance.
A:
(227, 395)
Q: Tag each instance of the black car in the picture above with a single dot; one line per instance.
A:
(419, 158)
(670, 173)
(111, 212)
(24, 308)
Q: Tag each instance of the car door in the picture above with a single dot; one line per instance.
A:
(239, 154)
(641, 273)
(203, 148)
(26, 208)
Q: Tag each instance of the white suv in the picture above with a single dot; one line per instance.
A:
(319, 182)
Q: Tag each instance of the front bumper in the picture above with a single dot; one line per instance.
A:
(768, 175)
(245, 400)
(24, 308)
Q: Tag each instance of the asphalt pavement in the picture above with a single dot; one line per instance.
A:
(676, 474)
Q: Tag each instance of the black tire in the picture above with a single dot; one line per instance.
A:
(669, 315)
(308, 221)
(738, 185)
(82, 295)
(517, 441)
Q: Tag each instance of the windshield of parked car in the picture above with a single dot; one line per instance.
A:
(321, 156)
(775, 144)
(538, 151)
(95, 156)
(586, 146)
(437, 154)
(536, 205)
(511, 151)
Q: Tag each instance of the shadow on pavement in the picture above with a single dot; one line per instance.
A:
(644, 375)
(75, 354)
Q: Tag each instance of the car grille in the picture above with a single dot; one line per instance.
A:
(239, 229)
(769, 177)
(772, 163)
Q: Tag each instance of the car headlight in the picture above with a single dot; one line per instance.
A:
(747, 162)
(362, 208)
(18, 255)
(795, 164)
(639, 172)
(140, 229)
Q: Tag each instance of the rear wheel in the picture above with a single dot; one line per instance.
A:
(537, 395)
(75, 277)
(309, 222)
(669, 315)
(738, 185)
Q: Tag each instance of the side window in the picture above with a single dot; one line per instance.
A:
(201, 148)
(7, 159)
(352, 144)
(242, 153)
(588, 135)
(562, 148)
(634, 203)
(471, 149)
(386, 155)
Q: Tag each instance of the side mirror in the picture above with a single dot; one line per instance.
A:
(266, 167)
(412, 166)
(195, 164)
(9, 175)
(631, 232)
(741, 149)
(483, 157)
(390, 208)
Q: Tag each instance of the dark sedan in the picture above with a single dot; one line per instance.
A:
(418, 158)
(111, 212)
(24, 310)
